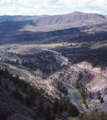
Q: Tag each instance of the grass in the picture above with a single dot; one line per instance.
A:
(44, 45)
(38, 71)
(51, 45)
(99, 44)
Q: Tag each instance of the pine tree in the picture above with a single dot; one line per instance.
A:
(28, 101)
(48, 113)
(101, 100)
(6, 86)
(32, 97)
(55, 105)
(60, 107)
(41, 107)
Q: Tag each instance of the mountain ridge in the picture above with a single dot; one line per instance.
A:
(76, 18)
(48, 26)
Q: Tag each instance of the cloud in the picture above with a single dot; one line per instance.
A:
(40, 7)
(15, 10)
(6, 1)
(33, 3)
(7, 10)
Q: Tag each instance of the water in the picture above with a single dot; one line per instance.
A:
(73, 96)
(38, 73)
(71, 93)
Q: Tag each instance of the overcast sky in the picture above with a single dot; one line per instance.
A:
(51, 7)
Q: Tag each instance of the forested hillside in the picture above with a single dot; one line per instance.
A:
(21, 100)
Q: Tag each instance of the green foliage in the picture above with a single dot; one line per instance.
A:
(98, 57)
(59, 85)
(41, 107)
(101, 100)
(65, 105)
(28, 101)
(101, 115)
(76, 85)
(61, 107)
(17, 95)
(6, 86)
(90, 95)
(15, 79)
(48, 113)
(44, 61)
(33, 97)
(43, 76)
(81, 90)
(0, 82)
(6, 73)
(98, 95)
(56, 105)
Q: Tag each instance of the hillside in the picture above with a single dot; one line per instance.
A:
(7, 17)
(19, 29)
(53, 67)
(26, 96)
(74, 19)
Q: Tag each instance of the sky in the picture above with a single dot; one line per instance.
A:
(51, 7)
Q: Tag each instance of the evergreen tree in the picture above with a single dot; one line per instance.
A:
(0, 82)
(28, 101)
(101, 100)
(41, 107)
(6, 73)
(60, 107)
(48, 113)
(6, 86)
(32, 97)
(55, 105)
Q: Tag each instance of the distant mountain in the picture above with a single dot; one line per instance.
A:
(55, 22)
(7, 17)
(45, 25)
(75, 19)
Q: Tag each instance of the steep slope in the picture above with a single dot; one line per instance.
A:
(30, 97)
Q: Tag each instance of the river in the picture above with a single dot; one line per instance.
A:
(73, 96)
(71, 93)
